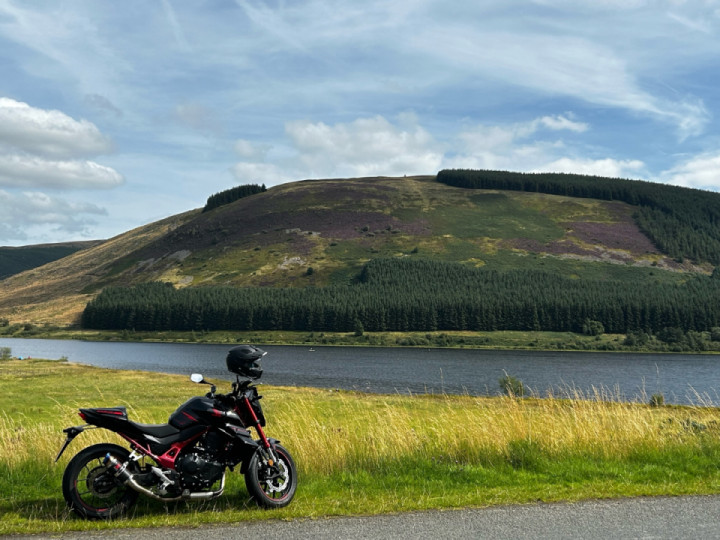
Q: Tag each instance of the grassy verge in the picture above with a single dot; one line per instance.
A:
(363, 454)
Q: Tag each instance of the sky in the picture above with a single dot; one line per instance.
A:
(117, 114)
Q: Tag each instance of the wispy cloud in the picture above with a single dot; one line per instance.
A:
(33, 213)
(178, 32)
(560, 66)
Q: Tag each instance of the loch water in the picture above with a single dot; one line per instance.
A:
(681, 378)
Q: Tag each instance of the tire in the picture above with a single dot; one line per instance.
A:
(272, 486)
(91, 489)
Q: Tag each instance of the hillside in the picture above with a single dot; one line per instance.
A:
(55, 292)
(682, 222)
(14, 260)
(335, 226)
(321, 232)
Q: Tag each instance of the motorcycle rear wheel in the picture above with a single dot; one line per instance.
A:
(272, 486)
(91, 489)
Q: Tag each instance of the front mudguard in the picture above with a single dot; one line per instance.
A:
(258, 448)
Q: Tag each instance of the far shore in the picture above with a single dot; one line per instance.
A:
(496, 340)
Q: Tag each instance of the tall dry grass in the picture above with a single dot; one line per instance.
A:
(330, 431)
(336, 431)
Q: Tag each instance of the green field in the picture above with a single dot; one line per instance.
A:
(363, 454)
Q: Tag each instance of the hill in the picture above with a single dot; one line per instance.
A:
(316, 233)
(55, 292)
(14, 260)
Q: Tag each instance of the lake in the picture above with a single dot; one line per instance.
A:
(681, 378)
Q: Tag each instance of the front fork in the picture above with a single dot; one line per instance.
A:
(256, 424)
(268, 445)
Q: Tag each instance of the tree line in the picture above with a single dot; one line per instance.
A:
(683, 223)
(417, 295)
(231, 195)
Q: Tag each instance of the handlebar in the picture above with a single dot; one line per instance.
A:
(237, 387)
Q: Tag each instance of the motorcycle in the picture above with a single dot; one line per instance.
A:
(185, 459)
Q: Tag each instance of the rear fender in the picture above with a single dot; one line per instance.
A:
(71, 433)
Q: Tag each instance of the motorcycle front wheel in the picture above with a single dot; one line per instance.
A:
(272, 485)
(90, 487)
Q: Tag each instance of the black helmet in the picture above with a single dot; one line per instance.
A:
(245, 360)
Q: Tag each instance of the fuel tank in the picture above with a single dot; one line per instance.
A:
(197, 410)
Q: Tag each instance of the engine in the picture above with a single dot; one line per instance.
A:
(198, 470)
(203, 465)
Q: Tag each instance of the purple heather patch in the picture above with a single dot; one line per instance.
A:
(623, 235)
(618, 241)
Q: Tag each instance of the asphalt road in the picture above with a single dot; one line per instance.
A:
(647, 518)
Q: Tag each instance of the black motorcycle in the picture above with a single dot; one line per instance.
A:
(185, 459)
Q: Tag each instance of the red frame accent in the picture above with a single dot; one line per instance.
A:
(166, 460)
(256, 422)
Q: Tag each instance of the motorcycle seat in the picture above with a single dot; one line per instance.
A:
(156, 430)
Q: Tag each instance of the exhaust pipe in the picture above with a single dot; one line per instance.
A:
(121, 472)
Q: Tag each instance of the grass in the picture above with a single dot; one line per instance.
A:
(363, 454)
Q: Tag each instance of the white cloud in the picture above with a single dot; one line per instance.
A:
(70, 47)
(696, 25)
(38, 147)
(701, 172)
(365, 147)
(483, 137)
(43, 149)
(613, 168)
(178, 32)
(521, 146)
(29, 171)
(560, 122)
(48, 132)
(376, 146)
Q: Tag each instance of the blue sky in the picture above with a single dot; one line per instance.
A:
(116, 114)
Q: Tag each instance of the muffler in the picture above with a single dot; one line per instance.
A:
(121, 472)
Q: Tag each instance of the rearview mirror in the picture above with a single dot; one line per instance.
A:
(197, 378)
